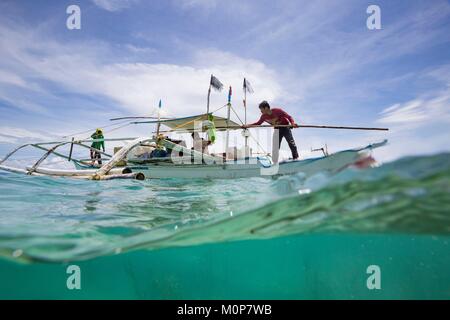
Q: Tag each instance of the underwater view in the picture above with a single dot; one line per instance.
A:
(286, 238)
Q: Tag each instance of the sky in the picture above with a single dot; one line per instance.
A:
(315, 59)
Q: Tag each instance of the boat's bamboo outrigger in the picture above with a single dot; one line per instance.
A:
(103, 173)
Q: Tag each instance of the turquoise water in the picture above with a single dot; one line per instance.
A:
(289, 237)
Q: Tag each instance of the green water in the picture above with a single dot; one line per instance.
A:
(295, 267)
(285, 238)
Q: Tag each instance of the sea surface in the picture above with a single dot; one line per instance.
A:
(286, 238)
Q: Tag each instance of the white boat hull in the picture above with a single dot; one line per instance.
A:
(243, 169)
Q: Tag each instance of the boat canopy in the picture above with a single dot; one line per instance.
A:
(186, 124)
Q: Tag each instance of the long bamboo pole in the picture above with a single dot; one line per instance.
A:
(318, 127)
(297, 127)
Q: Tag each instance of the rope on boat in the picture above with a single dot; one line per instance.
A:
(231, 107)
(251, 136)
(90, 130)
(126, 125)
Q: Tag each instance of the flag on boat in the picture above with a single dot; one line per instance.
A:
(247, 87)
(160, 104)
(216, 84)
(230, 92)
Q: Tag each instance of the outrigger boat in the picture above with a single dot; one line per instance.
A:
(161, 157)
(138, 160)
(210, 167)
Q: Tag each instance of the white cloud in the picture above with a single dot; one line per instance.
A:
(20, 103)
(114, 5)
(140, 50)
(7, 139)
(330, 56)
(418, 110)
(418, 126)
(11, 78)
(430, 107)
(204, 4)
(10, 134)
(411, 111)
(136, 87)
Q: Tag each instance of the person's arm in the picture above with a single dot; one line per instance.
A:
(257, 123)
(289, 117)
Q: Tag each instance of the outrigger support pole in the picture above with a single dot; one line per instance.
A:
(106, 172)
(14, 151)
(66, 157)
(38, 146)
(78, 142)
(55, 153)
(71, 149)
(50, 151)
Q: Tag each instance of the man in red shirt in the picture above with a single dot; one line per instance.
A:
(276, 117)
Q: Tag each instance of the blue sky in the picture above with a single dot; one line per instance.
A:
(316, 59)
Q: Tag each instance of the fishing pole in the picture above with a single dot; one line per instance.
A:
(316, 126)
(293, 127)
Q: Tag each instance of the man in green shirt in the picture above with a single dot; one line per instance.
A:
(98, 145)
